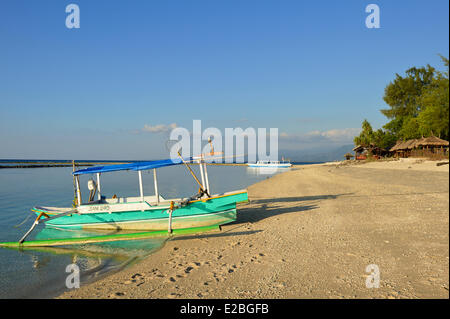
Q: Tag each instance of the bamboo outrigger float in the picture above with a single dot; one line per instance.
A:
(151, 215)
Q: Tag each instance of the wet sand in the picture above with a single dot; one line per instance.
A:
(310, 233)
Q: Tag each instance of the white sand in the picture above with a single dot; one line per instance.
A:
(311, 233)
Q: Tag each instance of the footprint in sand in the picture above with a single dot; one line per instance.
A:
(235, 244)
(203, 294)
(192, 266)
(156, 273)
(137, 279)
(218, 277)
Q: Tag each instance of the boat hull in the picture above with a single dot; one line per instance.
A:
(215, 211)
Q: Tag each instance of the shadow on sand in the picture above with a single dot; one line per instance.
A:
(227, 233)
(264, 208)
(277, 206)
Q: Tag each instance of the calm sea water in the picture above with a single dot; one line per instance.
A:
(41, 272)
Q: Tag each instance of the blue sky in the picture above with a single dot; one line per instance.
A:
(310, 68)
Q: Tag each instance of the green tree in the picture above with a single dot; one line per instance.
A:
(404, 97)
(366, 136)
(434, 118)
(369, 137)
(383, 139)
(418, 106)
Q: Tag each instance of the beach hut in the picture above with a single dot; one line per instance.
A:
(408, 146)
(424, 146)
(398, 149)
(395, 148)
(432, 145)
(432, 142)
(377, 152)
(360, 152)
(348, 156)
(403, 148)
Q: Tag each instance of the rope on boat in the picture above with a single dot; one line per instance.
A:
(190, 170)
(18, 225)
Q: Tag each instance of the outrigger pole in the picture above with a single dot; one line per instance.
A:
(109, 238)
(38, 220)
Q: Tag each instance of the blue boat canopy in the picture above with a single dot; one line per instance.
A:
(138, 166)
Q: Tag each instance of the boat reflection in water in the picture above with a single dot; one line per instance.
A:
(260, 171)
(94, 260)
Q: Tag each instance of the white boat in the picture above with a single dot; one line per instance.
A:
(271, 164)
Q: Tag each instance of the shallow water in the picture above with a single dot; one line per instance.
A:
(41, 272)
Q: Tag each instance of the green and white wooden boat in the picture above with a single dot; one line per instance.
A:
(133, 213)
(143, 212)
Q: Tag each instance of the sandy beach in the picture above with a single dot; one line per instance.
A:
(310, 233)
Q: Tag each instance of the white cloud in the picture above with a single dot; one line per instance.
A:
(346, 134)
(159, 128)
(335, 135)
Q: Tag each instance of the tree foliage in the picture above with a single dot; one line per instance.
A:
(369, 137)
(418, 106)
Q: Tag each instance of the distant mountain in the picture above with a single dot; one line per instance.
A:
(317, 154)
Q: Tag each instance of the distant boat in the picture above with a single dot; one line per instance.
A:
(271, 164)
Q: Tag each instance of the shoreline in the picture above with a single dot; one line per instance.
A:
(310, 233)
(40, 164)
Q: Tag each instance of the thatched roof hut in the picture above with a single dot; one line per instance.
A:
(400, 146)
(361, 152)
(409, 144)
(418, 146)
(348, 156)
(395, 147)
(358, 148)
(431, 141)
(418, 141)
(404, 145)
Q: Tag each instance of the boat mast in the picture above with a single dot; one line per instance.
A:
(75, 196)
(141, 188)
(99, 195)
(76, 182)
(77, 179)
(200, 165)
(206, 171)
(206, 179)
(156, 186)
